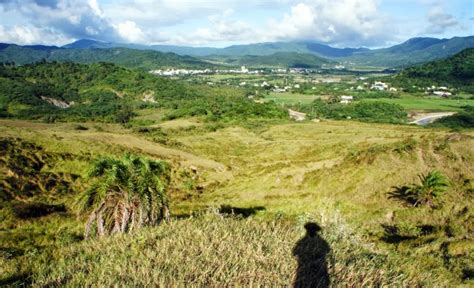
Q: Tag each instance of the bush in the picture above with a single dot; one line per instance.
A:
(428, 192)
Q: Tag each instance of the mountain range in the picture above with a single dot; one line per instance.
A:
(411, 52)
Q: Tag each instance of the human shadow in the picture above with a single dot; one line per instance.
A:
(311, 252)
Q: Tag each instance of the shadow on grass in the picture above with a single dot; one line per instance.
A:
(36, 210)
(403, 194)
(18, 280)
(310, 252)
(244, 212)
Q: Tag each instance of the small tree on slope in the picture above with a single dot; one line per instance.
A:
(127, 194)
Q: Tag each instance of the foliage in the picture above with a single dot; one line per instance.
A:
(127, 194)
(455, 71)
(431, 187)
(363, 111)
(105, 92)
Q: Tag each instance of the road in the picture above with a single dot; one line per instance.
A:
(298, 116)
(428, 118)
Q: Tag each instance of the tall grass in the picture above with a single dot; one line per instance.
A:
(213, 250)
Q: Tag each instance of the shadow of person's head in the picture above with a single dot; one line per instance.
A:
(312, 229)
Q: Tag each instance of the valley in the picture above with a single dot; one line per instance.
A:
(112, 175)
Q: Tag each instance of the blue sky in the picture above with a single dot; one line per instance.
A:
(218, 23)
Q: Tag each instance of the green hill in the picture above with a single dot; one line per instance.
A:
(104, 91)
(456, 71)
(411, 52)
(126, 57)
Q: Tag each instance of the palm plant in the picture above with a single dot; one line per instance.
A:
(431, 186)
(127, 194)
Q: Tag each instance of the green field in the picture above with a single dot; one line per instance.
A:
(409, 102)
(428, 103)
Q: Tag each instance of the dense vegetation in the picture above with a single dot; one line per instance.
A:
(456, 71)
(363, 111)
(130, 58)
(105, 92)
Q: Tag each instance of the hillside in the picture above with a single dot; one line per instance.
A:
(106, 92)
(456, 71)
(258, 193)
(413, 51)
(280, 59)
(126, 57)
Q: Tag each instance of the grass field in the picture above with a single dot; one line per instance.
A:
(428, 103)
(282, 175)
(409, 102)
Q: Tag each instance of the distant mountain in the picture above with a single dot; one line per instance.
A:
(411, 52)
(259, 49)
(89, 43)
(180, 50)
(279, 59)
(131, 58)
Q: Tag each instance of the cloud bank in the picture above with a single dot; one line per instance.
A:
(202, 22)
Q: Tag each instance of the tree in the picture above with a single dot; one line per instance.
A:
(431, 186)
(127, 194)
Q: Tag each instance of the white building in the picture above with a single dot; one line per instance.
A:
(346, 99)
(442, 93)
(381, 86)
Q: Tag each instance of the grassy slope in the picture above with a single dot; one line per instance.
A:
(427, 103)
(289, 169)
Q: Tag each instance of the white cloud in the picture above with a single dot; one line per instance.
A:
(129, 31)
(28, 35)
(214, 22)
(344, 22)
(440, 21)
(67, 18)
(340, 22)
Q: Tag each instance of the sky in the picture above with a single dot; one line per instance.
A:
(220, 23)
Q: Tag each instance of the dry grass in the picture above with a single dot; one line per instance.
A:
(288, 169)
(212, 250)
